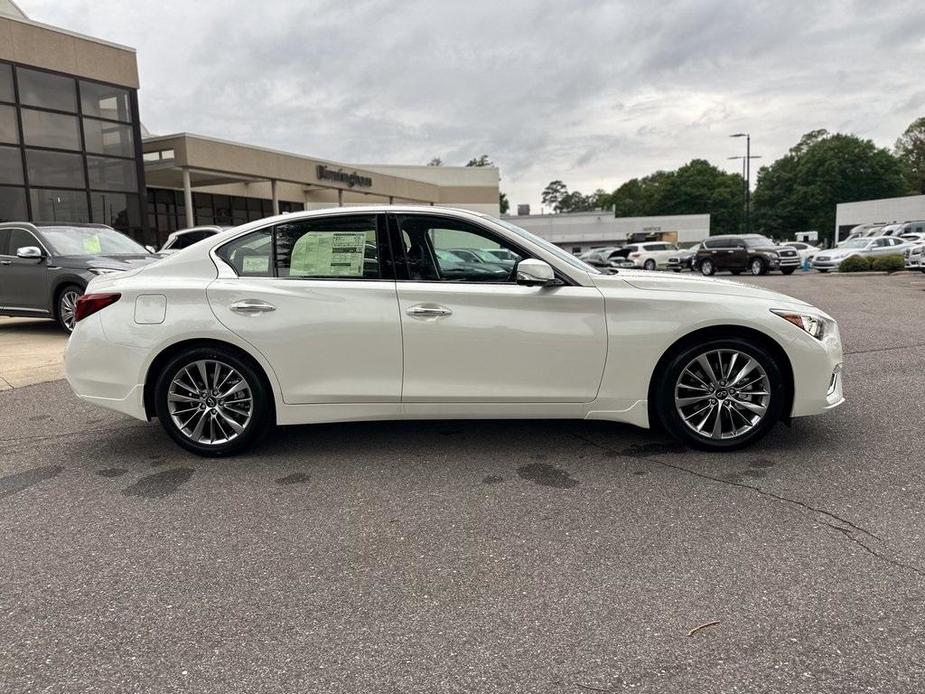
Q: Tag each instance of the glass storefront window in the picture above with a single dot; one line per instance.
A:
(46, 90)
(55, 169)
(118, 210)
(101, 137)
(9, 130)
(105, 101)
(12, 204)
(59, 205)
(11, 165)
(112, 174)
(6, 82)
(43, 129)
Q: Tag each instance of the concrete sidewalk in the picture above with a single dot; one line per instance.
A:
(31, 351)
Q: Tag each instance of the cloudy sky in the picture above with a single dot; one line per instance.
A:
(589, 92)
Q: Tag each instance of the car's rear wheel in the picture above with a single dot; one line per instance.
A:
(649, 264)
(707, 267)
(212, 402)
(721, 395)
(757, 266)
(66, 306)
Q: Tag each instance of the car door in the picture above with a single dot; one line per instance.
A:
(25, 280)
(470, 337)
(316, 297)
(880, 246)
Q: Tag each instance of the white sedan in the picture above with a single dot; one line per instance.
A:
(345, 315)
(863, 247)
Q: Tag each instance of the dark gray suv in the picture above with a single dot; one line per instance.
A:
(44, 268)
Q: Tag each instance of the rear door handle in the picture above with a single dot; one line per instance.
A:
(250, 307)
(429, 311)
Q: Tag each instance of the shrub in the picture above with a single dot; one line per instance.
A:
(890, 263)
(854, 263)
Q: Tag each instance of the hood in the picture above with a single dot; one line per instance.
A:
(112, 262)
(839, 252)
(665, 281)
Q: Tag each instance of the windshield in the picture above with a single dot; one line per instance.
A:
(759, 242)
(90, 241)
(856, 243)
(564, 256)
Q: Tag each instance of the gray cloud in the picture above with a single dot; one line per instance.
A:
(590, 92)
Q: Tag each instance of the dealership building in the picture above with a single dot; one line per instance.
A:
(73, 149)
(577, 232)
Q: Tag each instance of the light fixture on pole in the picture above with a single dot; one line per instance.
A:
(746, 168)
(748, 179)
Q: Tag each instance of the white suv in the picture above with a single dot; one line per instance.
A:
(651, 254)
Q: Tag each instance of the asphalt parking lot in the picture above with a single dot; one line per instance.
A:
(514, 556)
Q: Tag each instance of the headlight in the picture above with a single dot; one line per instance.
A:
(817, 326)
(103, 270)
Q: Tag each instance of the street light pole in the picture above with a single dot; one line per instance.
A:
(746, 174)
(748, 179)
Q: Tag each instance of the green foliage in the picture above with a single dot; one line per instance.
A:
(888, 263)
(698, 187)
(910, 149)
(854, 263)
(503, 203)
(480, 161)
(801, 189)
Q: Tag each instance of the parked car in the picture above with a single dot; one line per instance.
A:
(751, 253)
(187, 237)
(44, 268)
(890, 230)
(858, 231)
(863, 247)
(226, 343)
(608, 259)
(914, 227)
(684, 259)
(650, 255)
(914, 254)
(806, 251)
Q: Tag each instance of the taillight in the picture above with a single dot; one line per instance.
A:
(88, 304)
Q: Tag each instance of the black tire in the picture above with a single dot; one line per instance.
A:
(671, 419)
(788, 270)
(757, 266)
(261, 416)
(826, 269)
(706, 267)
(649, 264)
(64, 305)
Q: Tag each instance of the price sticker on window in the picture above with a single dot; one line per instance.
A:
(328, 254)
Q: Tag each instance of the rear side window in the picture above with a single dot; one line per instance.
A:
(249, 255)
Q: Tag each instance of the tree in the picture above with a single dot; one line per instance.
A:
(910, 149)
(801, 189)
(574, 201)
(553, 193)
(436, 161)
(503, 203)
(481, 161)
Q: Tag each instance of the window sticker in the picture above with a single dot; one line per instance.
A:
(91, 244)
(328, 254)
(256, 263)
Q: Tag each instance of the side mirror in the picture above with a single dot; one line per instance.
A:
(29, 252)
(532, 273)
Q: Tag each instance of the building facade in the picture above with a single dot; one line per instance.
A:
(885, 210)
(578, 232)
(73, 149)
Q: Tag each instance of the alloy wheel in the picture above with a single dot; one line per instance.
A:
(757, 267)
(67, 306)
(722, 394)
(210, 402)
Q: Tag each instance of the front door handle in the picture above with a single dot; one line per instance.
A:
(429, 311)
(251, 307)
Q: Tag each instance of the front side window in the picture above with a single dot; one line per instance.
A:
(20, 238)
(328, 248)
(449, 250)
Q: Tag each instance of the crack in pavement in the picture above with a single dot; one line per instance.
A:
(848, 532)
(883, 349)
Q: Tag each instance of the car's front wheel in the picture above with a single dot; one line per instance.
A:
(757, 266)
(721, 395)
(707, 267)
(212, 402)
(788, 270)
(66, 306)
(649, 264)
